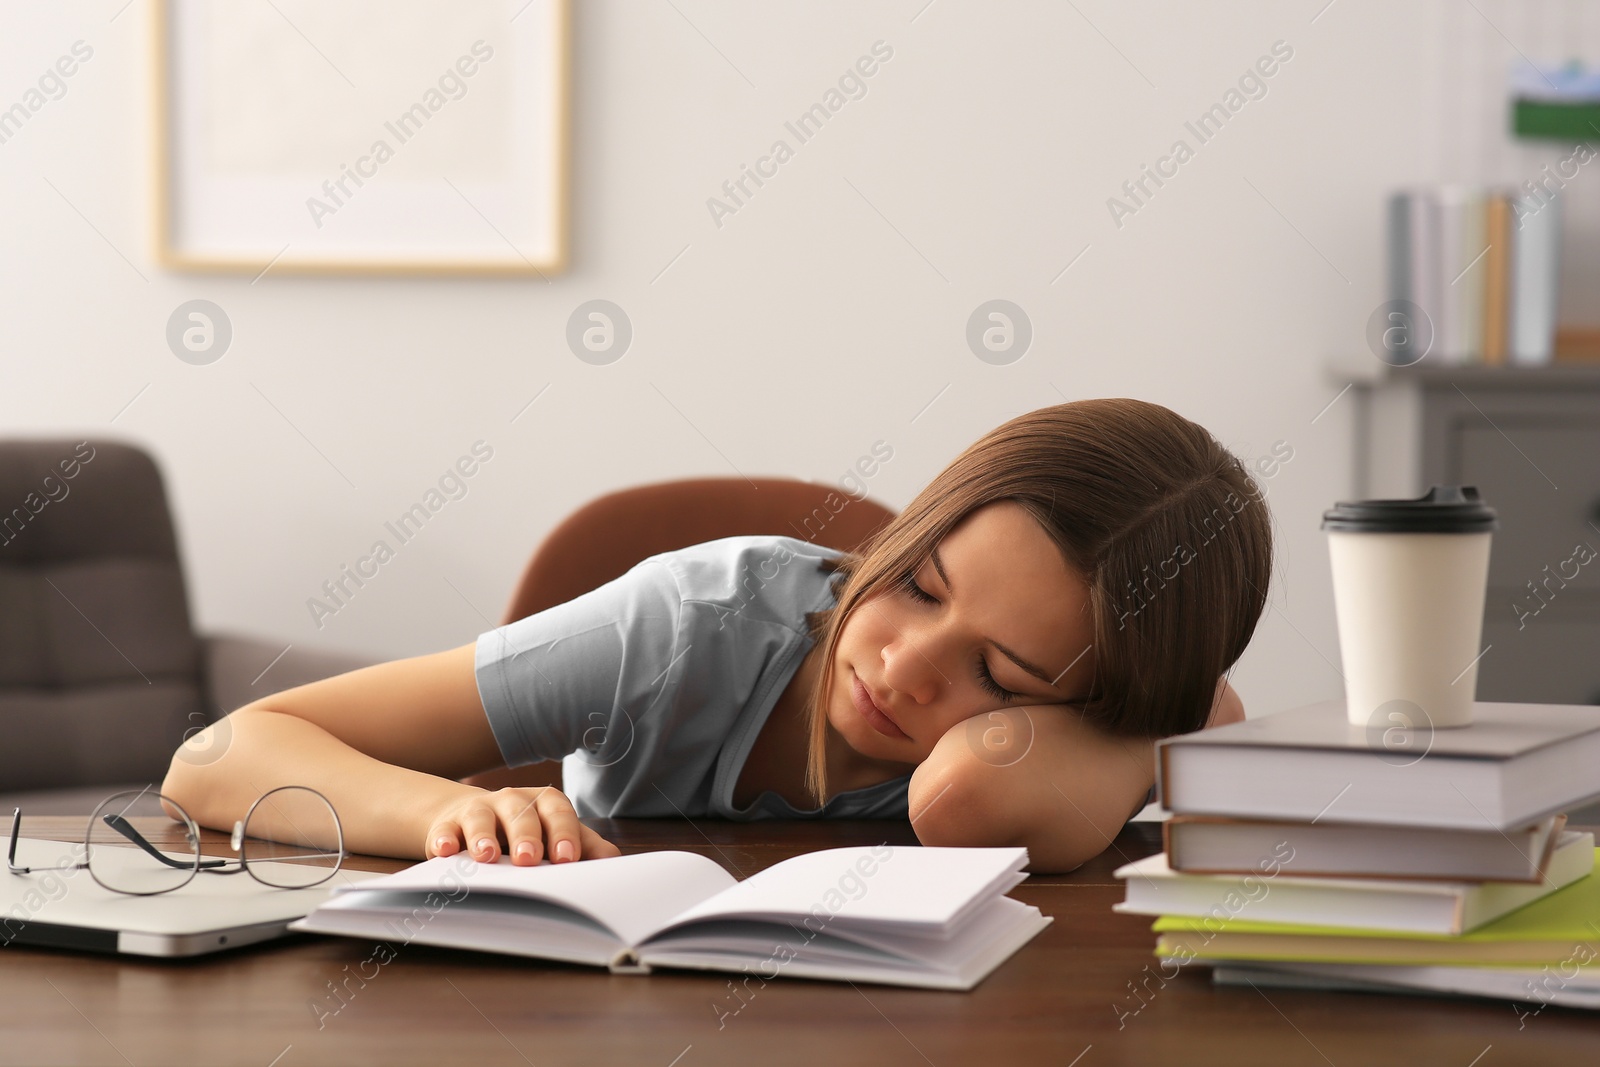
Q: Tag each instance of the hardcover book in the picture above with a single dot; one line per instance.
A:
(1515, 764)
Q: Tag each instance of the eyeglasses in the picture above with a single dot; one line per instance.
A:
(289, 839)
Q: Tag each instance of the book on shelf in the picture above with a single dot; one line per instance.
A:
(1414, 251)
(1212, 844)
(1514, 765)
(1468, 279)
(1458, 332)
(1535, 282)
(1483, 264)
(929, 917)
(1269, 895)
(1544, 932)
(1496, 277)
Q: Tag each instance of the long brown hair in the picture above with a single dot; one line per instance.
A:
(1170, 532)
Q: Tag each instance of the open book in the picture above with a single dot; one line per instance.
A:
(932, 917)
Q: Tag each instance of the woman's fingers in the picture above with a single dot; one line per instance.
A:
(563, 833)
(444, 839)
(596, 847)
(524, 829)
(531, 825)
(480, 828)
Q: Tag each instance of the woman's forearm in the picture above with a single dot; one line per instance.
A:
(1039, 777)
(384, 809)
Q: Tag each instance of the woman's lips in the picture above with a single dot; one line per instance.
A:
(871, 712)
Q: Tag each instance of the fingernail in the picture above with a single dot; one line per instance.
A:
(525, 850)
(485, 845)
(441, 844)
(564, 850)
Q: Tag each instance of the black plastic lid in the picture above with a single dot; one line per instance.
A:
(1445, 509)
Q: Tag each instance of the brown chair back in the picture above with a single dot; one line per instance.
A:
(604, 539)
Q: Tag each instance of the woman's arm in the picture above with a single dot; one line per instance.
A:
(1057, 785)
(385, 745)
(1064, 798)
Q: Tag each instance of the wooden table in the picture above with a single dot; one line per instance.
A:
(1066, 999)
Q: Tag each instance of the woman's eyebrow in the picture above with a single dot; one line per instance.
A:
(1037, 671)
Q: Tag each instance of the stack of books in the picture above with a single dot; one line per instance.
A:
(1305, 851)
(1484, 265)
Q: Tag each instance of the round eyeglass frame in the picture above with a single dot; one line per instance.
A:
(212, 866)
(121, 825)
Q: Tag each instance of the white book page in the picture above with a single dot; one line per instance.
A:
(631, 895)
(989, 923)
(490, 922)
(900, 884)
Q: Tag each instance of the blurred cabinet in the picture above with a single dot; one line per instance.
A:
(1529, 439)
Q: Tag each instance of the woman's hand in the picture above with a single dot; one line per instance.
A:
(525, 822)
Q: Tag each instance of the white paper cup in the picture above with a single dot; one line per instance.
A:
(1409, 580)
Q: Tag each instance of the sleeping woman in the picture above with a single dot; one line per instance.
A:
(995, 665)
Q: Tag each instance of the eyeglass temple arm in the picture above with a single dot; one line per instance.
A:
(125, 828)
(11, 853)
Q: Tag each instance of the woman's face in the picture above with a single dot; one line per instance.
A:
(995, 619)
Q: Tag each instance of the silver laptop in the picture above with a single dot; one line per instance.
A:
(69, 909)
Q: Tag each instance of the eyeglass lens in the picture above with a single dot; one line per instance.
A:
(292, 838)
(116, 863)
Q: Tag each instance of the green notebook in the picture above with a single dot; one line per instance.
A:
(1562, 926)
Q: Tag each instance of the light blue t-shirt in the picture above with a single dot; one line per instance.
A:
(652, 688)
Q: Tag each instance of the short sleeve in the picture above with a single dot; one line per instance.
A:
(577, 674)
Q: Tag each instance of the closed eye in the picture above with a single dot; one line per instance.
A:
(908, 584)
(990, 686)
(986, 681)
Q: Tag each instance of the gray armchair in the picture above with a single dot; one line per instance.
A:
(101, 672)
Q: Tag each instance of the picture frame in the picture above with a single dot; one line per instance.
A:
(367, 137)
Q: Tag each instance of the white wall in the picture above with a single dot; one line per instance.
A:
(798, 333)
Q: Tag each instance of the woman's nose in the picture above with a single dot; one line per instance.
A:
(909, 669)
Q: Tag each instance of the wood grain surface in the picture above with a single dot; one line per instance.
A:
(1086, 992)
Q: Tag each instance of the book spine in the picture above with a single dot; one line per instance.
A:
(1163, 775)
(1496, 278)
(1468, 277)
(1448, 343)
(1536, 267)
(1423, 245)
(1399, 246)
(627, 961)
